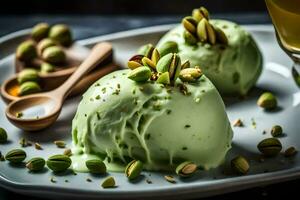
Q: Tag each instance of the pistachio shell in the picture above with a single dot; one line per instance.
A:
(168, 47)
(210, 33)
(36, 164)
(15, 156)
(29, 88)
(28, 75)
(240, 165)
(26, 51)
(58, 163)
(186, 64)
(267, 100)
(221, 36)
(201, 30)
(140, 74)
(40, 31)
(276, 131)
(3, 135)
(133, 169)
(109, 182)
(147, 62)
(204, 12)
(164, 78)
(46, 68)
(186, 169)
(45, 43)
(270, 147)
(96, 166)
(54, 55)
(189, 38)
(197, 15)
(190, 24)
(61, 33)
(175, 67)
(155, 56)
(146, 50)
(135, 61)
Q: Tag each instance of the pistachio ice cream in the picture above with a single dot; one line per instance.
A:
(119, 120)
(233, 68)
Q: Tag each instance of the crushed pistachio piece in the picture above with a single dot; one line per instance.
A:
(38, 146)
(60, 143)
(238, 123)
(170, 179)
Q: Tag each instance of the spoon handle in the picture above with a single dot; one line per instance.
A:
(99, 52)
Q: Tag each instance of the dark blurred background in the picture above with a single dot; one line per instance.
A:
(128, 7)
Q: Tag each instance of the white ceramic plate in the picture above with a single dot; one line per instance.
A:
(276, 77)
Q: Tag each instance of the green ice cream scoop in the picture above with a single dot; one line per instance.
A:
(233, 68)
(119, 120)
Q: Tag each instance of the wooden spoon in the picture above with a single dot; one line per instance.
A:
(41, 110)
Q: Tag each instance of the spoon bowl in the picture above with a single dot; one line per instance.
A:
(38, 111)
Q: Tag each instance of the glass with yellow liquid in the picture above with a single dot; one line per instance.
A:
(285, 15)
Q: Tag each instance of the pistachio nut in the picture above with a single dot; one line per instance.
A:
(146, 50)
(36, 164)
(28, 75)
(29, 87)
(200, 13)
(60, 143)
(276, 131)
(61, 33)
(96, 166)
(135, 62)
(15, 156)
(58, 163)
(40, 31)
(186, 169)
(186, 64)
(3, 135)
(26, 51)
(270, 147)
(155, 56)
(170, 63)
(148, 62)
(46, 68)
(168, 47)
(267, 100)
(109, 182)
(189, 38)
(133, 169)
(220, 36)
(190, 74)
(240, 165)
(206, 32)
(140, 74)
(164, 78)
(54, 55)
(45, 43)
(289, 152)
(190, 24)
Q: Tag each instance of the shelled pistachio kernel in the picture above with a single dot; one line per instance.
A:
(109, 182)
(62, 34)
(40, 31)
(133, 169)
(170, 63)
(140, 74)
(200, 13)
(240, 165)
(15, 156)
(135, 62)
(45, 43)
(190, 74)
(96, 166)
(36, 164)
(206, 32)
(189, 38)
(146, 50)
(190, 24)
(28, 75)
(54, 55)
(29, 88)
(58, 163)
(276, 131)
(267, 100)
(186, 169)
(291, 151)
(168, 47)
(26, 51)
(270, 147)
(3, 135)
(46, 68)
(220, 36)
(164, 78)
